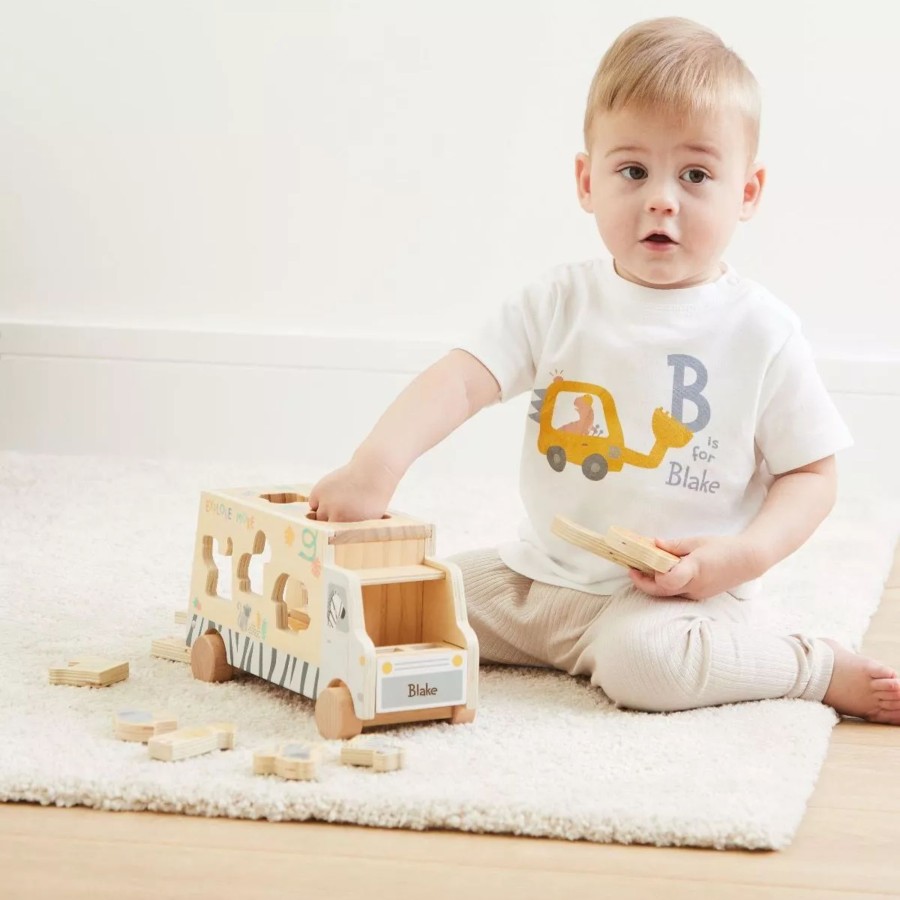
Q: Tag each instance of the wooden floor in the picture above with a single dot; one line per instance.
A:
(847, 846)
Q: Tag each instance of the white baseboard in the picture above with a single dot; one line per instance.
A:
(309, 398)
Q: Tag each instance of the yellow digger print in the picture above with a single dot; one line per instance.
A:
(586, 444)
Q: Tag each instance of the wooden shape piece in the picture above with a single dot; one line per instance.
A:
(295, 760)
(643, 549)
(173, 648)
(142, 724)
(627, 548)
(375, 752)
(181, 617)
(192, 741)
(89, 671)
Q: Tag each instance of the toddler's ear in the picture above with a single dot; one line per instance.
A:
(756, 179)
(583, 181)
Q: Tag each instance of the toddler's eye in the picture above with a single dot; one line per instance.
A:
(633, 173)
(695, 176)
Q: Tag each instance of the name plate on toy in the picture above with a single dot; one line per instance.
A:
(420, 676)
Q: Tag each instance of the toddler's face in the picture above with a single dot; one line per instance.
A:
(667, 196)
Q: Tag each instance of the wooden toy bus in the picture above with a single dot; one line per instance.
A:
(357, 616)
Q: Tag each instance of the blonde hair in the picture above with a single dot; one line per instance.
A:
(676, 65)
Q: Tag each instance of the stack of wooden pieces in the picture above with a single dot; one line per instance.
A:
(90, 672)
(618, 545)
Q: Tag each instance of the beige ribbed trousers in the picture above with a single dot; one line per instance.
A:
(644, 653)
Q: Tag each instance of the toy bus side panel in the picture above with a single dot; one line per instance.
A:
(260, 659)
(298, 551)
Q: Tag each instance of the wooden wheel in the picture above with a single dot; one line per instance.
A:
(462, 715)
(209, 661)
(335, 717)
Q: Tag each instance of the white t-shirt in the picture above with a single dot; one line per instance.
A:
(666, 412)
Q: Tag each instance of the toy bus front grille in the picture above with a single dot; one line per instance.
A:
(419, 677)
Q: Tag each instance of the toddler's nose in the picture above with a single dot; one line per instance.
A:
(661, 200)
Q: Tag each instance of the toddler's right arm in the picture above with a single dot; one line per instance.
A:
(431, 407)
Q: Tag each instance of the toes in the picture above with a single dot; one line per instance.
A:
(879, 670)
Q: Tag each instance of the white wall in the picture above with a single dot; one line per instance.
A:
(389, 168)
(236, 229)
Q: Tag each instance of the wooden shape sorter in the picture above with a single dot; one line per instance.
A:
(618, 545)
(90, 672)
(357, 616)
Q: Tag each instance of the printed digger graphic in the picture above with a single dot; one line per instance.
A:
(583, 443)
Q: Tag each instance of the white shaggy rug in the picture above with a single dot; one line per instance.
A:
(95, 559)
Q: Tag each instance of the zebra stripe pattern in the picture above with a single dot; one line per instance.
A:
(246, 653)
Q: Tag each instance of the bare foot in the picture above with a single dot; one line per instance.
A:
(863, 687)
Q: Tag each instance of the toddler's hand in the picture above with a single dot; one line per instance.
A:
(352, 493)
(708, 566)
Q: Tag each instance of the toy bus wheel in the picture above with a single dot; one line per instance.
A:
(335, 717)
(556, 456)
(209, 661)
(462, 715)
(595, 467)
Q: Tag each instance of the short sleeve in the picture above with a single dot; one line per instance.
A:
(798, 422)
(510, 342)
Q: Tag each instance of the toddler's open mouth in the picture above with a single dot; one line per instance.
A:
(658, 237)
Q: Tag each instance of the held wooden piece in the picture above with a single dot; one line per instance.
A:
(618, 545)
(375, 752)
(90, 672)
(171, 648)
(194, 741)
(142, 724)
(295, 760)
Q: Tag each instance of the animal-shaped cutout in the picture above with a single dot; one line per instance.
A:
(142, 724)
(295, 760)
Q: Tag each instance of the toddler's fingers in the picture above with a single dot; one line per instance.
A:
(674, 582)
(679, 546)
(649, 585)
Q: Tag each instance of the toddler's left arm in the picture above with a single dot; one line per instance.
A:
(796, 504)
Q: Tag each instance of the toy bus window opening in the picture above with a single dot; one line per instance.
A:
(393, 613)
(293, 603)
(218, 565)
(251, 566)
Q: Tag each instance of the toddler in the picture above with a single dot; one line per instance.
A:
(671, 396)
